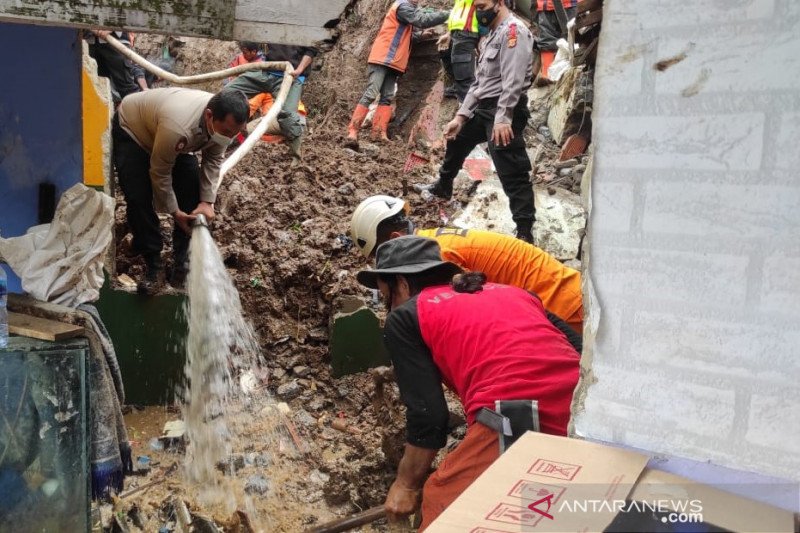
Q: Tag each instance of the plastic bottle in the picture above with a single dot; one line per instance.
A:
(3, 309)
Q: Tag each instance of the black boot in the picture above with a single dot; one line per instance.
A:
(152, 279)
(440, 188)
(524, 233)
(177, 276)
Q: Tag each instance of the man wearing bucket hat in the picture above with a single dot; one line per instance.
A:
(492, 344)
(502, 258)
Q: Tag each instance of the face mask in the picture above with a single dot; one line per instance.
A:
(486, 17)
(219, 138)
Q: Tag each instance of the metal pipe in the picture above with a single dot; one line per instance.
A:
(266, 122)
(199, 220)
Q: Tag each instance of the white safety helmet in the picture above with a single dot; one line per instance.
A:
(368, 215)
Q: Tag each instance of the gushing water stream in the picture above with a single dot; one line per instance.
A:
(220, 343)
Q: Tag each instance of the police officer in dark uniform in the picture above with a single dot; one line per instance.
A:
(496, 110)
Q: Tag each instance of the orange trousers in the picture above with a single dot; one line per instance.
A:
(547, 59)
(458, 470)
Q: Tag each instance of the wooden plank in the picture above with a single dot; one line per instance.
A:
(589, 5)
(313, 13)
(302, 22)
(588, 20)
(40, 328)
(206, 18)
(279, 33)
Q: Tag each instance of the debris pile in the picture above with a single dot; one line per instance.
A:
(331, 447)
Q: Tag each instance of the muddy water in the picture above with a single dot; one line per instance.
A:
(219, 342)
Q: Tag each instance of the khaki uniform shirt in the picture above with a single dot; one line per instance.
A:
(504, 71)
(168, 122)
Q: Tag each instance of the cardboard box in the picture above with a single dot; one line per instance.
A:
(545, 483)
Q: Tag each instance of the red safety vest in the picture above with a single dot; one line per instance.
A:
(497, 344)
(392, 46)
(547, 5)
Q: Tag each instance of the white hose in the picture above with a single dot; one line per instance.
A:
(263, 125)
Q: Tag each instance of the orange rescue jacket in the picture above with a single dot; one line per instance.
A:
(510, 261)
(392, 46)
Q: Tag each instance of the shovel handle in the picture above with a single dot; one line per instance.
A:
(345, 524)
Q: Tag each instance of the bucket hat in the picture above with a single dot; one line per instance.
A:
(405, 255)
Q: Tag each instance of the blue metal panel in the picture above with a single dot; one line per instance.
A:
(40, 121)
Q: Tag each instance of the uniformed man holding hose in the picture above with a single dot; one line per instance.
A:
(155, 135)
(496, 110)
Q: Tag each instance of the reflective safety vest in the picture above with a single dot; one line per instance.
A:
(392, 46)
(462, 17)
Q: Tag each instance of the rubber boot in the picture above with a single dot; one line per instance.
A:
(295, 146)
(152, 281)
(440, 188)
(380, 123)
(359, 114)
(525, 232)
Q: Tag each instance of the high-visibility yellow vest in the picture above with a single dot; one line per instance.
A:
(462, 17)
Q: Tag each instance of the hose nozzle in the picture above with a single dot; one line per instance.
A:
(200, 220)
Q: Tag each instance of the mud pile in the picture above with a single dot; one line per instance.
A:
(280, 229)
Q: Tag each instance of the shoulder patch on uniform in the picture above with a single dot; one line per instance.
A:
(512, 35)
(181, 144)
(451, 231)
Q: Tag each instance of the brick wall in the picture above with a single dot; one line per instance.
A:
(694, 234)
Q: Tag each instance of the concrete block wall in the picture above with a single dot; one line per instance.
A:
(694, 234)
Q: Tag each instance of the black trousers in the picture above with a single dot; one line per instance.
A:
(550, 29)
(132, 163)
(459, 60)
(512, 162)
(113, 65)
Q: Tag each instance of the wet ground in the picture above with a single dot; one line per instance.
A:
(333, 448)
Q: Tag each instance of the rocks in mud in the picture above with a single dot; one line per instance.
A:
(347, 189)
(577, 173)
(318, 403)
(294, 361)
(257, 484)
(569, 163)
(301, 371)
(289, 391)
(318, 478)
(201, 524)
(258, 459)
(304, 419)
(231, 464)
(318, 335)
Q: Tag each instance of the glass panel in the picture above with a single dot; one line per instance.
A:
(44, 437)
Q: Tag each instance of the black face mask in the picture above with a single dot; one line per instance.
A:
(486, 17)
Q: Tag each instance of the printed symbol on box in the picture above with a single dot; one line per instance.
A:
(533, 490)
(547, 500)
(554, 469)
(513, 514)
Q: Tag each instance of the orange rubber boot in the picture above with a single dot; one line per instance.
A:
(380, 123)
(359, 114)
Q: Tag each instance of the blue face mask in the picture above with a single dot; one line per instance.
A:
(486, 17)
